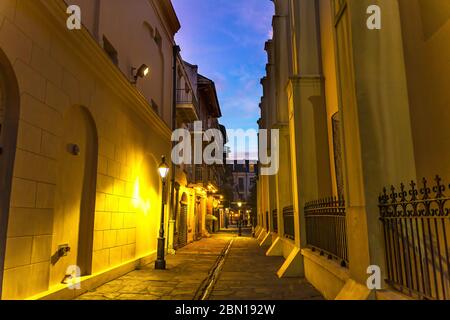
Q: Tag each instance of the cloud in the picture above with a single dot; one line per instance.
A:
(254, 14)
(226, 40)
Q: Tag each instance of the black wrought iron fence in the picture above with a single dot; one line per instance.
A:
(416, 226)
(275, 220)
(288, 222)
(326, 229)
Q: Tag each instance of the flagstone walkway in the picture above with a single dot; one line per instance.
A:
(246, 274)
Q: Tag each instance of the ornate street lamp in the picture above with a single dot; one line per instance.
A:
(160, 263)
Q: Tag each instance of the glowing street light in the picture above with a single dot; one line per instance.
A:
(163, 169)
(160, 263)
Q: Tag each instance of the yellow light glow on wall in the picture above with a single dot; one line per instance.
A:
(138, 202)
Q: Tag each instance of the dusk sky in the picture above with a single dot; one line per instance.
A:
(226, 40)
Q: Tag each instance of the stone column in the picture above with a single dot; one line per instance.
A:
(282, 58)
(267, 201)
(273, 199)
(258, 202)
(378, 148)
(283, 178)
(311, 177)
(280, 61)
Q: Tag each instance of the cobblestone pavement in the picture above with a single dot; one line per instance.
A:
(246, 274)
(185, 272)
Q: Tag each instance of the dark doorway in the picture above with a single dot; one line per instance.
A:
(183, 228)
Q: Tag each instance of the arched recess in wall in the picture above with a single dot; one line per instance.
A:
(156, 37)
(75, 194)
(9, 122)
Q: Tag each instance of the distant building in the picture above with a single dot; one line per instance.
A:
(206, 180)
(244, 178)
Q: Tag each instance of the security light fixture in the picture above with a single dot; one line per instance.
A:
(142, 72)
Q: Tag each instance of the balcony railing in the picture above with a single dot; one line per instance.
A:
(187, 106)
(326, 229)
(186, 96)
(288, 222)
(275, 220)
(416, 226)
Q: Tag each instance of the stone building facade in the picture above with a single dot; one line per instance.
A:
(244, 177)
(81, 139)
(358, 109)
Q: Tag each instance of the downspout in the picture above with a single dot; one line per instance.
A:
(97, 20)
(176, 52)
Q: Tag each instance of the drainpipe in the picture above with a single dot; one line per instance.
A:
(176, 52)
(96, 30)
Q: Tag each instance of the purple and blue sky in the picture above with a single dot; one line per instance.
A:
(226, 40)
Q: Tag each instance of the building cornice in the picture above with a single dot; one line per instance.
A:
(95, 59)
(169, 17)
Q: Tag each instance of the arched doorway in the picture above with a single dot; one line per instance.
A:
(198, 218)
(9, 122)
(182, 227)
(73, 225)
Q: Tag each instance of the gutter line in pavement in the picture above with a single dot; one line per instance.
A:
(205, 288)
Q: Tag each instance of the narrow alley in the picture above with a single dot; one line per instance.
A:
(246, 274)
(216, 150)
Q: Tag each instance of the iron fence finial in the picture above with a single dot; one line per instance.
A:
(425, 191)
(439, 188)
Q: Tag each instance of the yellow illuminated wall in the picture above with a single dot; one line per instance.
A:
(426, 39)
(329, 72)
(58, 70)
